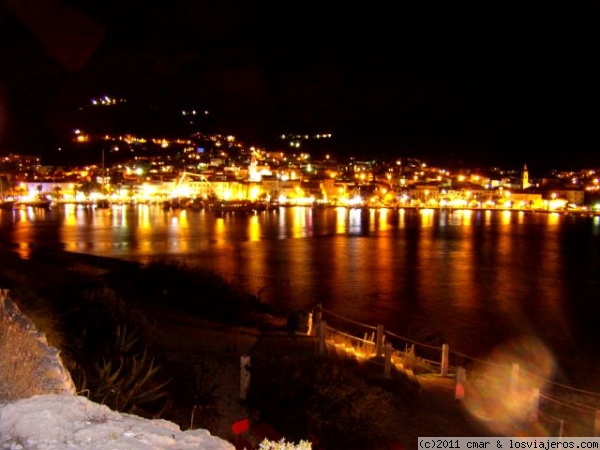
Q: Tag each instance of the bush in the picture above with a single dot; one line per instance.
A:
(129, 385)
(113, 359)
(303, 395)
(198, 381)
(184, 288)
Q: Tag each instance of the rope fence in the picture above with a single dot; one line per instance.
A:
(564, 410)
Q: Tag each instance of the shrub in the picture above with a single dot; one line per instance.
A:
(330, 400)
(194, 396)
(201, 381)
(192, 290)
(114, 362)
(129, 385)
(99, 326)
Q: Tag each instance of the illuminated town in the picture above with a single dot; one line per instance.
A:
(213, 170)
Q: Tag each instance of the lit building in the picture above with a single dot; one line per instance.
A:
(525, 178)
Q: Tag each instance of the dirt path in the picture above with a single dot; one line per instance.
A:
(433, 413)
(437, 413)
(214, 349)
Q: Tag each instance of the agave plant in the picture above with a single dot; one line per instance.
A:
(130, 383)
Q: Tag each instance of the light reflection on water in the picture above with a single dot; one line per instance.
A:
(469, 278)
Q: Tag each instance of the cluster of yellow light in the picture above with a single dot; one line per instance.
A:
(354, 201)
(106, 100)
(181, 191)
(556, 203)
(296, 200)
(164, 143)
(193, 112)
(254, 193)
(306, 136)
(128, 138)
(148, 190)
(453, 203)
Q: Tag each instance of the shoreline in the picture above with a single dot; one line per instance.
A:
(577, 212)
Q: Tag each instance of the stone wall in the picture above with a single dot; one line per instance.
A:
(28, 365)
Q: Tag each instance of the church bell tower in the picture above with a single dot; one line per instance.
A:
(525, 178)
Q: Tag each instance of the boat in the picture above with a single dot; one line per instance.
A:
(222, 206)
(173, 203)
(6, 203)
(39, 202)
(102, 203)
(196, 204)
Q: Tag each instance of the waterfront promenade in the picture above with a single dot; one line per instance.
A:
(182, 205)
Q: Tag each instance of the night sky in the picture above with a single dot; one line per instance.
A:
(486, 83)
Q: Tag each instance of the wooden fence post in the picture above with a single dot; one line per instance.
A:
(379, 341)
(535, 403)
(322, 336)
(318, 314)
(459, 388)
(3, 299)
(514, 378)
(3, 295)
(244, 376)
(561, 428)
(387, 365)
(445, 360)
(310, 328)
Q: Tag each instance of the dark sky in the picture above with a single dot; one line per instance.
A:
(490, 82)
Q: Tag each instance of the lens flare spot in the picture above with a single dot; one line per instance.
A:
(502, 391)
